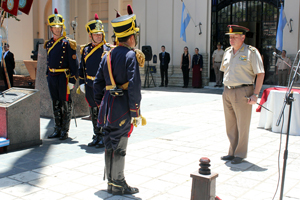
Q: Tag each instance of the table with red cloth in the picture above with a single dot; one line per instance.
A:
(273, 98)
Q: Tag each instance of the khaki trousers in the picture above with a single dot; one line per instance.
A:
(237, 118)
(218, 73)
(282, 77)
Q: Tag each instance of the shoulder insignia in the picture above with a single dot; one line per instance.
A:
(253, 49)
(228, 48)
(140, 56)
(72, 43)
(45, 44)
(82, 47)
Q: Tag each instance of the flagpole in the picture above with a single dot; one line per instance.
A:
(190, 15)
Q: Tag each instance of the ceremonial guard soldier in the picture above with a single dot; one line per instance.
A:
(118, 85)
(62, 70)
(90, 60)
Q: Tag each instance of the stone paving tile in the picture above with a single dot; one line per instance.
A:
(47, 182)
(21, 189)
(49, 170)
(257, 195)
(43, 195)
(7, 182)
(167, 197)
(232, 192)
(89, 180)
(137, 179)
(69, 175)
(174, 178)
(158, 185)
(92, 193)
(181, 191)
(5, 196)
(150, 172)
(26, 176)
(68, 188)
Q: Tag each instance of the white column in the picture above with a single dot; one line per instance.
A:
(63, 8)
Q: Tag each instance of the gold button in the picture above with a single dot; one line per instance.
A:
(62, 57)
(85, 68)
(60, 62)
(86, 82)
(63, 51)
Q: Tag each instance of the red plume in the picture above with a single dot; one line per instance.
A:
(118, 14)
(129, 9)
(55, 11)
(96, 16)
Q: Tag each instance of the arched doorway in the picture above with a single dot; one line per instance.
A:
(260, 16)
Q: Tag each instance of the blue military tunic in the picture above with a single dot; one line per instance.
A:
(89, 64)
(62, 67)
(115, 112)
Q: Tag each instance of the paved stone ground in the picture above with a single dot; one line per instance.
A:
(183, 126)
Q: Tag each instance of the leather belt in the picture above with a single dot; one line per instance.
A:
(57, 70)
(238, 86)
(124, 86)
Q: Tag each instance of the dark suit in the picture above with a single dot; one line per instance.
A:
(164, 65)
(10, 66)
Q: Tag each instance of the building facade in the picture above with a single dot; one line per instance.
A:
(160, 22)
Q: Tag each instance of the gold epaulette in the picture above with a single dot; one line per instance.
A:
(253, 49)
(72, 43)
(45, 44)
(82, 47)
(228, 48)
(140, 56)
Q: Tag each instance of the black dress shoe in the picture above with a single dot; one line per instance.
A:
(216, 85)
(237, 160)
(161, 86)
(64, 135)
(54, 135)
(228, 157)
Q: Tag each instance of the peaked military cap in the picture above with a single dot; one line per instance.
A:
(95, 26)
(56, 20)
(125, 25)
(236, 29)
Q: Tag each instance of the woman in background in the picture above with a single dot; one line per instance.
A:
(185, 66)
(197, 65)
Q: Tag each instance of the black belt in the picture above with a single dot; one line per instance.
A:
(238, 86)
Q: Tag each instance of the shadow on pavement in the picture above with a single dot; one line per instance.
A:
(103, 194)
(245, 166)
(91, 149)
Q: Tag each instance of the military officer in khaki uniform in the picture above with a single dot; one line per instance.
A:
(283, 69)
(217, 59)
(241, 64)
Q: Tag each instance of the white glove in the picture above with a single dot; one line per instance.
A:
(136, 121)
(71, 85)
(82, 88)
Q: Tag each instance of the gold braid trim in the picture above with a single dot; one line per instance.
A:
(140, 56)
(45, 44)
(82, 47)
(103, 54)
(72, 43)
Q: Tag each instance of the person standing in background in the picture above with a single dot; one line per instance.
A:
(282, 69)
(9, 63)
(164, 58)
(185, 66)
(197, 66)
(217, 59)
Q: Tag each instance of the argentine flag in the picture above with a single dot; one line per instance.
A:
(281, 25)
(185, 19)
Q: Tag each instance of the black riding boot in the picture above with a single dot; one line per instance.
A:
(108, 165)
(57, 119)
(66, 119)
(119, 185)
(97, 135)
